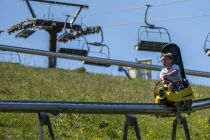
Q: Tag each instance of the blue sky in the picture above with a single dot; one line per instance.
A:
(186, 20)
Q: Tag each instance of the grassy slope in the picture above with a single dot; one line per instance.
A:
(24, 83)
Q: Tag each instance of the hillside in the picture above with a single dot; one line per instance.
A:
(25, 83)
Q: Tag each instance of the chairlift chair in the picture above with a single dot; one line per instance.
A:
(73, 51)
(206, 49)
(102, 46)
(25, 33)
(74, 33)
(71, 35)
(107, 55)
(148, 45)
(1, 31)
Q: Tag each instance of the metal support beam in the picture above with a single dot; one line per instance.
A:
(121, 69)
(52, 47)
(97, 60)
(183, 122)
(44, 119)
(75, 16)
(61, 3)
(131, 121)
(30, 9)
(209, 119)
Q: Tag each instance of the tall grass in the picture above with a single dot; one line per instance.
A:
(26, 83)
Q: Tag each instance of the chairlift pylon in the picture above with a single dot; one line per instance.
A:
(205, 48)
(29, 26)
(148, 45)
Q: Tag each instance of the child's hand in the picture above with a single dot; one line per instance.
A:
(164, 77)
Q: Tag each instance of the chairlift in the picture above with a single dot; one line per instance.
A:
(76, 31)
(101, 53)
(79, 31)
(1, 31)
(206, 49)
(67, 35)
(101, 46)
(28, 27)
(25, 33)
(96, 64)
(147, 45)
(73, 51)
(71, 35)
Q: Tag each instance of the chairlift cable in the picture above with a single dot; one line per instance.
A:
(113, 11)
(183, 18)
(161, 20)
(170, 3)
(132, 8)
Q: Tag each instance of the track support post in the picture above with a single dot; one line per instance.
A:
(44, 119)
(209, 119)
(131, 121)
(180, 120)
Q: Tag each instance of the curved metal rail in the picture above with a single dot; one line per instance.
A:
(95, 107)
(84, 107)
(201, 104)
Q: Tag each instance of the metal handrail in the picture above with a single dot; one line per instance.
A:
(97, 60)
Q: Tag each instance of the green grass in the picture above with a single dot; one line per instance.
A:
(26, 83)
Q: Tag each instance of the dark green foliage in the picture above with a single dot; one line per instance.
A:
(80, 70)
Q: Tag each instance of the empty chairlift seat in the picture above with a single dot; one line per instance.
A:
(96, 64)
(25, 33)
(73, 51)
(66, 37)
(144, 45)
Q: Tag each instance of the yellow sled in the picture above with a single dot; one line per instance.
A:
(168, 95)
